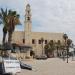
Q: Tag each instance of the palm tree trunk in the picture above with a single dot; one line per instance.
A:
(67, 53)
(10, 37)
(9, 43)
(4, 35)
(57, 52)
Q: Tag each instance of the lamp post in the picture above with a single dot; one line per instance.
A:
(42, 40)
(67, 53)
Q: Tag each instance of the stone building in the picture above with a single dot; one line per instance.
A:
(33, 39)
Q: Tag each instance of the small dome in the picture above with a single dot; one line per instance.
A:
(28, 7)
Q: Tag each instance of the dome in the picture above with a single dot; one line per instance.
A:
(28, 5)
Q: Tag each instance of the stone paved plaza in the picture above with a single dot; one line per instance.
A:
(51, 66)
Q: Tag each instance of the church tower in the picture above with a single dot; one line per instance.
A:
(28, 24)
(28, 19)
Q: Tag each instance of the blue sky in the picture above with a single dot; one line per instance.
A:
(47, 15)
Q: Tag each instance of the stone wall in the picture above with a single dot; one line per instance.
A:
(37, 48)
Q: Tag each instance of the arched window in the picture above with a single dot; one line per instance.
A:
(23, 40)
(45, 41)
(59, 41)
(33, 41)
(28, 12)
(28, 18)
(39, 41)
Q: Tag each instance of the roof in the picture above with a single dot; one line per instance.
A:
(22, 46)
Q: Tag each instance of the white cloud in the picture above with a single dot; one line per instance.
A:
(47, 15)
(55, 16)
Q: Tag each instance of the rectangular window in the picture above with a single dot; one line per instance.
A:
(23, 40)
(33, 41)
(39, 41)
(45, 41)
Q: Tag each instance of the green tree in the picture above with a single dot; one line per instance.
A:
(42, 40)
(58, 46)
(65, 37)
(46, 48)
(9, 19)
(52, 45)
(3, 20)
(49, 48)
(69, 42)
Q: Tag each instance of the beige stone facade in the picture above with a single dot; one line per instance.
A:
(27, 37)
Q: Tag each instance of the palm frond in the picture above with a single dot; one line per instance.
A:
(2, 11)
(18, 16)
(1, 21)
(14, 13)
(9, 12)
(6, 12)
(0, 16)
(17, 21)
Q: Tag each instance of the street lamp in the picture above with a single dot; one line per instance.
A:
(42, 40)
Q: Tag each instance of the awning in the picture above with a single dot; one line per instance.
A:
(21, 46)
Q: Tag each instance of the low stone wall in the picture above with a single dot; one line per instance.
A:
(21, 56)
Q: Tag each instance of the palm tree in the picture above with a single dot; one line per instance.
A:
(9, 19)
(69, 42)
(49, 48)
(13, 19)
(3, 20)
(65, 37)
(42, 40)
(52, 46)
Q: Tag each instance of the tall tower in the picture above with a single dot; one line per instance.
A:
(28, 24)
(28, 19)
